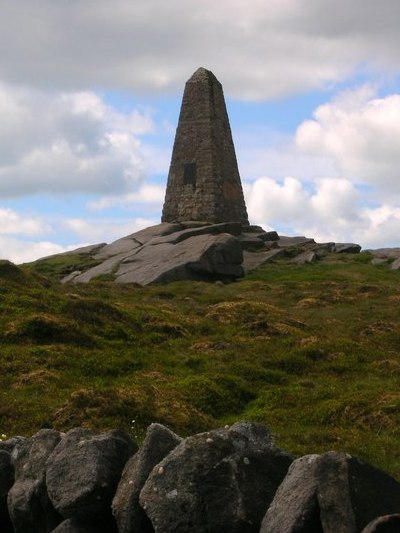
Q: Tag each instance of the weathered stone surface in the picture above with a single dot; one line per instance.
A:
(373, 492)
(305, 257)
(133, 241)
(74, 526)
(330, 493)
(378, 261)
(386, 253)
(251, 241)
(128, 513)
(395, 265)
(221, 481)
(201, 257)
(84, 470)
(6, 482)
(347, 248)
(28, 503)
(294, 508)
(233, 228)
(333, 493)
(9, 444)
(105, 267)
(267, 235)
(203, 181)
(252, 260)
(202, 252)
(352, 493)
(285, 241)
(7, 478)
(384, 524)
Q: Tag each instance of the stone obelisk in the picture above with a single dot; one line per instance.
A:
(203, 181)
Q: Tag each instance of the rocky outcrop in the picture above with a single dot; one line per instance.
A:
(195, 251)
(232, 480)
(386, 256)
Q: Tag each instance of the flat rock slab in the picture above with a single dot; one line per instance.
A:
(195, 258)
(198, 251)
(130, 242)
(293, 241)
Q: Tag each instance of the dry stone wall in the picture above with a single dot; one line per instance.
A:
(228, 480)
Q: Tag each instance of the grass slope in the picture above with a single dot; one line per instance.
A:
(312, 351)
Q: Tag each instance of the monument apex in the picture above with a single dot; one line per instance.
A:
(203, 181)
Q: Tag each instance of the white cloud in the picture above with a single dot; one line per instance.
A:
(103, 230)
(259, 49)
(146, 194)
(382, 227)
(361, 132)
(332, 210)
(12, 223)
(23, 251)
(67, 142)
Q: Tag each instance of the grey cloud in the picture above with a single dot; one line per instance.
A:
(69, 142)
(259, 49)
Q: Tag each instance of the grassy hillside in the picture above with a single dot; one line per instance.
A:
(312, 351)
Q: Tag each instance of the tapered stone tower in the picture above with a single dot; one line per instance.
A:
(204, 181)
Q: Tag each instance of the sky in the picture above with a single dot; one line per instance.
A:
(90, 92)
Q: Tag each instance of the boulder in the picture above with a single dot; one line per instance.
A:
(202, 257)
(395, 265)
(129, 515)
(14, 443)
(252, 260)
(353, 492)
(331, 493)
(285, 241)
(294, 508)
(251, 241)
(384, 524)
(73, 526)
(6, 482)
(385, 253)
(305, 257)
(347, 248)
(28, 502)
(378, 261)
(84, 470)
(220, 481)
